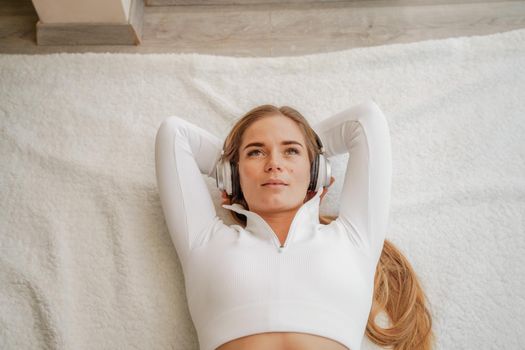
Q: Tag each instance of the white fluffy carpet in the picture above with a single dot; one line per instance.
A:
(86, 261)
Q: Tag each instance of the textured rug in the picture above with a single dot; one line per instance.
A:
(86, 260)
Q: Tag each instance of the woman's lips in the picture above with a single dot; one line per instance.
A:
(274, 185)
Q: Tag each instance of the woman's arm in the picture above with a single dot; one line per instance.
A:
(183, 152)
(363, 132)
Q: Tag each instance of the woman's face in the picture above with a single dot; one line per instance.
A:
(270, 159)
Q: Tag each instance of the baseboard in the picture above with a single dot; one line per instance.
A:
(94, 33)
(303, 2)
(231, 2)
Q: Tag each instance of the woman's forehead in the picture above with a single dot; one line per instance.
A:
(274, 127)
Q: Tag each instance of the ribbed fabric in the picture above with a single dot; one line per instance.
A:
(240, 281)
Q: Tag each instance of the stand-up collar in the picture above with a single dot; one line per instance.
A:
(305, 219)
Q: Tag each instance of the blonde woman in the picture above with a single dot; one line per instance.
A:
(285, 277)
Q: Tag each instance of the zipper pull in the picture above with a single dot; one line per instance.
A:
(281, 248)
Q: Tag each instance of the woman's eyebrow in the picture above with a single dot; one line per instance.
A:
(260, 144)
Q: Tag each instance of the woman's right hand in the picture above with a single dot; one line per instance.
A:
(225, 199)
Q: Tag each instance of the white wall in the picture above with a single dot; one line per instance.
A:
(82, 11)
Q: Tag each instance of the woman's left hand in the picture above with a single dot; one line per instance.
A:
(325, 189)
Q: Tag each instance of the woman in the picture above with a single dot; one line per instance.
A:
(286, 277)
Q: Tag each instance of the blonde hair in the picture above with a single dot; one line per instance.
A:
(397, 290)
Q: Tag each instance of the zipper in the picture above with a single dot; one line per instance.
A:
(282, 248)
(279, 246)
(276, 240)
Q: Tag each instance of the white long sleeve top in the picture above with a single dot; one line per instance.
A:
(240, 281)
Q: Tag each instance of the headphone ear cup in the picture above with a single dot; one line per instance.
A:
(223, 177)
(314, 174)
(218, 175)
(233, 180)
(228, 178)
(321, 169)
(325, 172)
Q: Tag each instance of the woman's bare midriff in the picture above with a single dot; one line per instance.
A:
(282, 341)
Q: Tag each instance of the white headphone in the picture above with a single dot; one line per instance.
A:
(227, 178)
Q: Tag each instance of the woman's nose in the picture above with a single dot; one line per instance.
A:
(273, 163)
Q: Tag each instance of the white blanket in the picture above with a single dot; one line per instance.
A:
(86, 261)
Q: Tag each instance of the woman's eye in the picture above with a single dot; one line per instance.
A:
(294, 150)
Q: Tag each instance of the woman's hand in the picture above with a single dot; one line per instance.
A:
(225, 199)
(325, 189)
(332, 180)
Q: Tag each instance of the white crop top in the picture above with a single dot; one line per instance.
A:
(240, 281)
